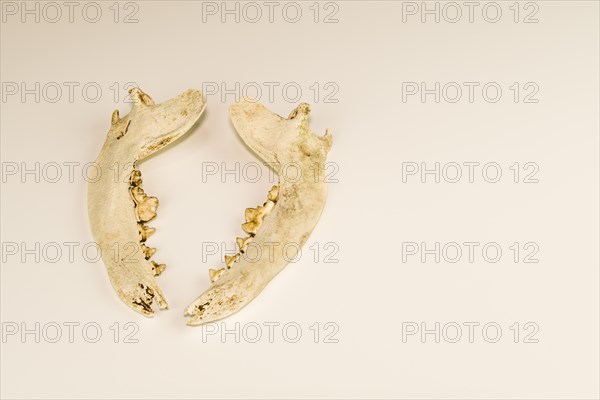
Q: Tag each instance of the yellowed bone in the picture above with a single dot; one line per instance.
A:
(290, 214)
(117, 204)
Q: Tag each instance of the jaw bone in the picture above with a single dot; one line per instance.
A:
(278, 228)
(118, 207)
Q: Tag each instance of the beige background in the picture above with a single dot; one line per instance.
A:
(370, 292)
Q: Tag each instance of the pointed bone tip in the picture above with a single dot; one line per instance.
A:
(197, 319)
(134, 93)
(146, 99)
(302, 111)
(139, 97)
(327, 139)
(195, 315)
(115, 117)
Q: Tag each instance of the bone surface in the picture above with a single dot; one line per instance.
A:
(119, 208)
(286, 219)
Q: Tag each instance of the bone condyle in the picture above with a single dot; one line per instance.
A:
(288, 216)
(119, 209)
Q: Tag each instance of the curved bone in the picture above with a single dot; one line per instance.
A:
(283, 223)
(118, 207)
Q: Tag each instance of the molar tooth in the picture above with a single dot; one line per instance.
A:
(146, 210)
(243, 243)
(251, 213)
(214, 274)
(273, 193)
(267, 207)
(158, 268)
(148, 251)
(145, 231)
(229, 260)
(136, 178)
(138, 194)
(250, 227)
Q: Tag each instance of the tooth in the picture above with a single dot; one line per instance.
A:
(214, 274)
(138, 194)
(250, 228)
(148, 251)
(251, 213)
(158, 268)
(276, 140)
(229, 260)
(146, 210)
(111, 198)
(145, 231)
(243, 243)
(273, 193)
(267, 207)
(136, 178)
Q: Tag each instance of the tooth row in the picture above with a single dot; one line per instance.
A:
(255, 216)
(145, 210)
(254, 219)
(145, 206)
